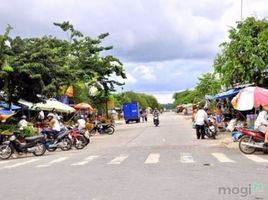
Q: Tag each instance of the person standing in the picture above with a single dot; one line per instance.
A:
(201, 118)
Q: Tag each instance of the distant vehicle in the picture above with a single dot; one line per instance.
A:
(131, 112)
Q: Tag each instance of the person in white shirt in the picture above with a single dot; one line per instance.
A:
(81, 123)
(201, 117)
(261, 124)
(23, 122)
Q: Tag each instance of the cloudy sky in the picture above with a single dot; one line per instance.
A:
(164, 44)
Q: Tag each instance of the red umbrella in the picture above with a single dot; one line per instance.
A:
(83, 106)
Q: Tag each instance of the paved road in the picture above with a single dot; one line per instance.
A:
(139, 161)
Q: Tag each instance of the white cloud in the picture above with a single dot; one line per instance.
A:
(164, 44)
(145, 72)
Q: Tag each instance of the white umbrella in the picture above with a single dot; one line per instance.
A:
(48, 106)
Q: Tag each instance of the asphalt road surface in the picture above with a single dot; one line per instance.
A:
(139, 162)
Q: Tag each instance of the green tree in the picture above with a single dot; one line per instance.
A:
(244, 58)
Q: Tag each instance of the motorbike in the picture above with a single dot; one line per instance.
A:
(211, 128)
(61, 140)
(79, 138)
(34, 145)
(103, 129)
(156, 120)
(251, 141)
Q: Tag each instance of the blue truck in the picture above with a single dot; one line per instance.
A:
(131, 112)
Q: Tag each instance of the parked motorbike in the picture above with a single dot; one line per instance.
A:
(156, 120)
(34, 145)
(79, 139)
(103, 129)
(211, 128)
(62, 140)
(251, 141)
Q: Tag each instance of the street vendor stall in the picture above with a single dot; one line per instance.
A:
(48, 105)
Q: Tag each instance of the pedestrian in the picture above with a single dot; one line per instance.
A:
(145, 115)
(142, 115)
(201, 118)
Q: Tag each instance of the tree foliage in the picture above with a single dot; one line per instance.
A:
(244, 58)
(46, 65)
(208, 84)
(144, 100)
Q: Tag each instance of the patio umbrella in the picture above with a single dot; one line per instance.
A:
(250, 97)
(83, 106)
(5, 114)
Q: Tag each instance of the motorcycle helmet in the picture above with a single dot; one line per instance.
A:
(50, 115)
(23, 117)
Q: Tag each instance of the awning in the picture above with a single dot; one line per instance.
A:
(6, 105)
(223, 95)
(48, 106)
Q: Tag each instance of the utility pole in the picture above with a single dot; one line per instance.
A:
(241, 10)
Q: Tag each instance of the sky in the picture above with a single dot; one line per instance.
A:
(165, 45)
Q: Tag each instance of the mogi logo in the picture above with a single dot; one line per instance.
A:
(242, 191)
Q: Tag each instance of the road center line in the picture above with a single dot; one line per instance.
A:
(222, 157)
(152, 158)
(118, 160)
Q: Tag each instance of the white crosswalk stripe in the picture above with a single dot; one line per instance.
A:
(118, 160)
(20, 164)
(255, 158)
(153, 158)
(58, 160)
(222, 157)
(186, 158)
(85, 161)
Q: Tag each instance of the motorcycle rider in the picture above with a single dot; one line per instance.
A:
(201, 117)
(156, 113)
(53, 124)
(261, 124)
(81, 123)
(156, 116)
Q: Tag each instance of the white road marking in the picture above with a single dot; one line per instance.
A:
(186, 158)
(222, 157)
(118, 160)
(256, 158)
(152, 158)
(85, 161)
(4, 162)
(53, 162)
(20, 164)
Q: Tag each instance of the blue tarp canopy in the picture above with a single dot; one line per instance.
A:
(6, 105)
(5, 112)
(227, 94)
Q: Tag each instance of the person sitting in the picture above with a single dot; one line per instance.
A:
(53, 124)
(23, 122)
(156, 113)
(261, 124)
(81, 123)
